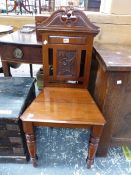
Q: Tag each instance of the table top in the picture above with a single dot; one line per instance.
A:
(20, 38)
(5, 28)
(114, 57)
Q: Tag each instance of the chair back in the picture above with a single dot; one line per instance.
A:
(67, 42)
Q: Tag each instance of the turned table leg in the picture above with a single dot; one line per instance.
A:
(30, 139)
(6, 69)
(93, 144)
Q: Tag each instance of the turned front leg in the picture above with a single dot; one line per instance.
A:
(30, 139)
(93, 144)
(6, 69)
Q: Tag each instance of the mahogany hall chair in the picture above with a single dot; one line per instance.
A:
(67, 41)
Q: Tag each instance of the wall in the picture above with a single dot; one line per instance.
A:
(16, 21)
(114, 28)
(119, 7)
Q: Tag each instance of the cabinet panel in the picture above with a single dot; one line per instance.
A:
(112, 93)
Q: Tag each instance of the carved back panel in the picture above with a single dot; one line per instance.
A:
(67, 39)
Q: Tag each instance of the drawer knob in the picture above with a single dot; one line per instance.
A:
(18, 53)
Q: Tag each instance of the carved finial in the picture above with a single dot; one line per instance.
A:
(68, 18)
(69, 14)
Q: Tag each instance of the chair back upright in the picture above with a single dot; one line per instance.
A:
(67, 42)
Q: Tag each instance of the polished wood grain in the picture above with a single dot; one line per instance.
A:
(62, 106)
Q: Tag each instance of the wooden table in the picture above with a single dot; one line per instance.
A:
(111, 89)
(110, 82)
(27, 43)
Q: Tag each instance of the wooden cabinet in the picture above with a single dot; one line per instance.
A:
(110, 85)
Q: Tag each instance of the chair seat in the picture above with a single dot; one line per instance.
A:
(66, 106)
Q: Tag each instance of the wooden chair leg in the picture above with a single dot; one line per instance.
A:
(93, 144)
(31, 144)
(30, 138)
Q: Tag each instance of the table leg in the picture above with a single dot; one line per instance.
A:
(30, 139)
(93, 144)
(31, 70)
(1, 70)
(6, 69)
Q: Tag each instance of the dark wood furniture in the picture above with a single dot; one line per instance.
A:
(67, 39)
(111, 89)
(15, 95)
(19, 47)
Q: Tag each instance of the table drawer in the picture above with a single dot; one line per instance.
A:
(22, 54)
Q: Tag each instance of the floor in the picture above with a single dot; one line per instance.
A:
(64, 151)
